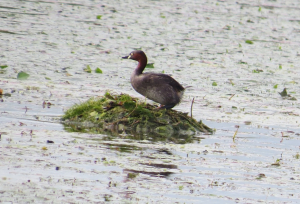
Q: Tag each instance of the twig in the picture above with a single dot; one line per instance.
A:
(192, 107)
(231, 97)
(281, 137)
(233, 138)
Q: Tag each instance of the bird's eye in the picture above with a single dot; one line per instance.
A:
(129, 56)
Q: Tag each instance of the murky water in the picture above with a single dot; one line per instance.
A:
(198, 42)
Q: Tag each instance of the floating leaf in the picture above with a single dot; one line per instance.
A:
(275, 86)
(150, 65)
(214, 83)
(260, 176)
(227, 27)
(132, 175)
(242, 62)
(3, 66)
(47, 78)
(280, 66)
(257, 71)
(249, 42)
(98, 70)
(99, 16)
(247, 122)
(259, 9)
(22, 75)
(88, 69)
(283, 93)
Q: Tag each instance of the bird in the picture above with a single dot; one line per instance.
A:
(158, 87)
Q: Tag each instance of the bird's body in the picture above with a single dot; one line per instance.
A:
(160, 88)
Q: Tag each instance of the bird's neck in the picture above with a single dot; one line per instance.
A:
(141, 66)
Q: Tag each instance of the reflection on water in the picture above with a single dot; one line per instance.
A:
(114, 132)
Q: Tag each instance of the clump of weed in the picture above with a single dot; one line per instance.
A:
(124, 112)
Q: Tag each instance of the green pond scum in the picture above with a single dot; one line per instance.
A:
(127, 115)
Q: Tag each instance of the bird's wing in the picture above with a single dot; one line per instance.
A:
(155, 79)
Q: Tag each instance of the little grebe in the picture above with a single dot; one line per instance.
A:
(160, 88)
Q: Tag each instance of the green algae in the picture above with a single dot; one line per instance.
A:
(119, 113)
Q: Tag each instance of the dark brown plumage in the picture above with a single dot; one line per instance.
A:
(160, 88)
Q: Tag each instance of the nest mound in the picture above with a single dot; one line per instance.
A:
(125, 113)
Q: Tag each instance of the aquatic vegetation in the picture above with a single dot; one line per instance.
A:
(22, 75)
(98, 70)
(125, 113)
(285, 95)
(150, 65)
(88, 69)
(249, 42)
(214, 84)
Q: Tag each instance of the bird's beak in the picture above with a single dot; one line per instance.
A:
(126, 57)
